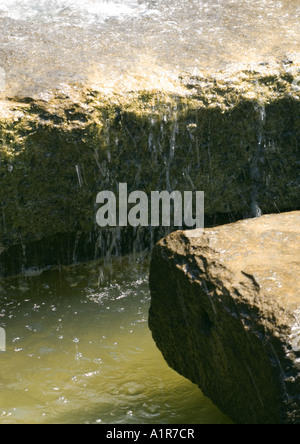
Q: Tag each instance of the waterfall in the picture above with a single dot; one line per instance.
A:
(257, 162)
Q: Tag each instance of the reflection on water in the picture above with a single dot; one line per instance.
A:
(79, 351)
(46, 43)
(73, 12)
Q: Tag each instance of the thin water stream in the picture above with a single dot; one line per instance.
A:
(80, 351)
(78, 346)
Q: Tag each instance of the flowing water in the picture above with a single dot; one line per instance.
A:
(78, 350)
(47, 43)
(78, 346)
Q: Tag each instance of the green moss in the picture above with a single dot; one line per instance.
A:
(56, 155)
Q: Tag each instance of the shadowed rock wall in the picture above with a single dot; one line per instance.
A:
(234, 135)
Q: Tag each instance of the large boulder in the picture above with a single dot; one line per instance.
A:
(233, 134)
(225, 312)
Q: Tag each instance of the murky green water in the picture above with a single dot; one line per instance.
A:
(79, 351)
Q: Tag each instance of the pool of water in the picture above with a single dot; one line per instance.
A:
(47, 43)
(78, 350)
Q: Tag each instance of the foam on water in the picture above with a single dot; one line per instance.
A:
(81, 352)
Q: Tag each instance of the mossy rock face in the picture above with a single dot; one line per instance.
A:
(234, 135)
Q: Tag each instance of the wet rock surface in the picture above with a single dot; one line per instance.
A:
(233, 134)
(225, 313)
(49, 43)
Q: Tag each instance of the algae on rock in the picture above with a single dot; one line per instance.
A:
(234, 135)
